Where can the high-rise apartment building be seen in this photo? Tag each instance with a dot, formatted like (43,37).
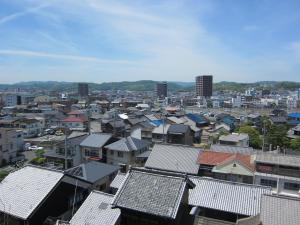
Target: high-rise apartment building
(204,85)
(162,90)
(83,89)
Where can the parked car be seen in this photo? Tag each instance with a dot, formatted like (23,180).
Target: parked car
(59,133)
(34,147)
(49,131)
(26,146)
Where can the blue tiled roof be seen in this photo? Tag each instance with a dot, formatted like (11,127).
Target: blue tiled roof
(196,118)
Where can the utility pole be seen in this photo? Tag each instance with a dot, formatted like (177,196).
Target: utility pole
(264,133)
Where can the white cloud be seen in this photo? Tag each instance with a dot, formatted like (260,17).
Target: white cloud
(16,15)
(25,53)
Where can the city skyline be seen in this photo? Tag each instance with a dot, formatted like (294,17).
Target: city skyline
(96,41)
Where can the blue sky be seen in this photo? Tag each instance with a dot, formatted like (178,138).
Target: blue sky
(100,41)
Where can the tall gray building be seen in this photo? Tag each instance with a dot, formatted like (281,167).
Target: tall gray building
(204,85)
(162,90)
(83,89)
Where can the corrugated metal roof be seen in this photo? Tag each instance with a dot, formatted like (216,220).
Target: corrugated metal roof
(23,190)
(162,129)
(128,144)
(177,158)
(279,210)
(278,159)
(96,210)
(118,180)
(151,193)
(234,137)
(232,149)
(96,140)
(227,196)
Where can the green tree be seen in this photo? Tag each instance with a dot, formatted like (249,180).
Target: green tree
(295,144)
(254,137)
(276,136)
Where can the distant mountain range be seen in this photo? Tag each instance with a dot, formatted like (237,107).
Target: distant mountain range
(147,85)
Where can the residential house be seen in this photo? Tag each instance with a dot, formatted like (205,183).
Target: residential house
(278,120)
(96,210)
(294,132)
(159,134)
(227,119)
(294,119)
(234,167)
(57,155)
(179,134)
(200,120)
(235,139)
(174,158)
(75,123)
(30,127)
(232,149)
(116,127)
(92,146)
(254,119)
(32,195)
(154,197)
(281,172)
(98,174)
(143,130)
(11,144)
(124,151)
(224,201)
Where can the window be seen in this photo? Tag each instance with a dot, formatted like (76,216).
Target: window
(291,186)
(120,154)
(132,153)
(112,152)
(270,183)
(0,147)
(92,153)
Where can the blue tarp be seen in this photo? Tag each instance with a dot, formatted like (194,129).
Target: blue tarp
(295,115)
(157,122)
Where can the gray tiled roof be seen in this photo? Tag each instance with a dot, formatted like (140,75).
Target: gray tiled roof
(279,210)
(96,210)
(232,149)
(278,159)
(92,171)
(177,158)
(151,193)
(128,144)
(238,198)
(22,191)
(96,140)
(178,129)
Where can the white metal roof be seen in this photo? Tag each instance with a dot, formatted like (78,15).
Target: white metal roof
(279,210)
(243,199)
(176,158)
(96,210)
(23,190)
(118,180)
